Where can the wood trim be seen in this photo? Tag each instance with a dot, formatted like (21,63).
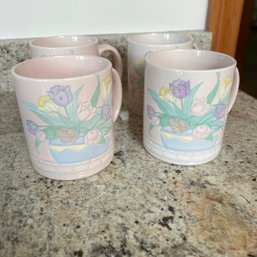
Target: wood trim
(223,20)
(244,33)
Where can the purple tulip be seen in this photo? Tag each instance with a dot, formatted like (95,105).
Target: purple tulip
(32,127)
(220,111)
(60,95)
(106,112)
(180,88)
(150,112)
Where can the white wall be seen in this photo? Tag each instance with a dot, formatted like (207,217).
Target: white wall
(36,18)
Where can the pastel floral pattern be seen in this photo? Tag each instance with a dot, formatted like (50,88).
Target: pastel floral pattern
(85,111)
(180,88)
(136,73)
(178,110)
(46,104)
(201,132)
(92,137)
(67,120)
(220,111)
(199,106)
(178,125)
(67,135)
(60,95)
(166,94)
(32,127)
(106,112)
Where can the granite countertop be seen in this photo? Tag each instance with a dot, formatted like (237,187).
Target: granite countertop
(138,206)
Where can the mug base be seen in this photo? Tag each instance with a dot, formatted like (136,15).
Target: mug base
(181,157)
(74,170)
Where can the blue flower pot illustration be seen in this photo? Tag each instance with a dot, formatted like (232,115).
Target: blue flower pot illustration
(77,151)
(184,141)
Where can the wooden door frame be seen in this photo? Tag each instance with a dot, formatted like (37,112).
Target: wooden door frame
(223,20)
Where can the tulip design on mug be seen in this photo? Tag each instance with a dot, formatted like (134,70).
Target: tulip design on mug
(136,74)
(185,121)
(74,130)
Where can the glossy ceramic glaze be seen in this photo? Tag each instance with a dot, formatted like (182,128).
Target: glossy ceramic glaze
(188,94)
(68,105)
(138,48)
(73,45)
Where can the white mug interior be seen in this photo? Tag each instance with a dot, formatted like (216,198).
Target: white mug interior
(190,59)
(61,67)
(160,39)
(63,41)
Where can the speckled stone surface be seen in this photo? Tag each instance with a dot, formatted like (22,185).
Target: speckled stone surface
(137,206)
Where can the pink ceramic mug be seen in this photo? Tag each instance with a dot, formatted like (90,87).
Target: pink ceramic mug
(138,47)
(68,105)
(188,94)
(73,45)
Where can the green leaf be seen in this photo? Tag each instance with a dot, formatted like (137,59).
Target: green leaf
(50,132)
(86,125)
(73,105)
(204,119)
(214,91)
(180,113)
(52,119)
(216,124)
(102,140)
(162,104)
(106,125)
(189,99)
(209,137)
(37,143)
(66,122)
(96,94)
(95,122)
(216,127)
(164,120)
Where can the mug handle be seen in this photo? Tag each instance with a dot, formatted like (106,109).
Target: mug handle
(116,94)
(116,55)
(234,90)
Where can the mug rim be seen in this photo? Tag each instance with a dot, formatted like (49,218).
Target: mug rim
(33,43)
(132,39)
(233,60)
(15,74)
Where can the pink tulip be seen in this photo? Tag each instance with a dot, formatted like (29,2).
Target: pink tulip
(199,107)
(85,111)
(92,137)
(201,132)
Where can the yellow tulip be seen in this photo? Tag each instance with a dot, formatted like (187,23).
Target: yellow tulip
(42,100)
(225,87)
(164,90)
(46,104)
(106,85)
(166,93)
(227,81)
(107,81)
